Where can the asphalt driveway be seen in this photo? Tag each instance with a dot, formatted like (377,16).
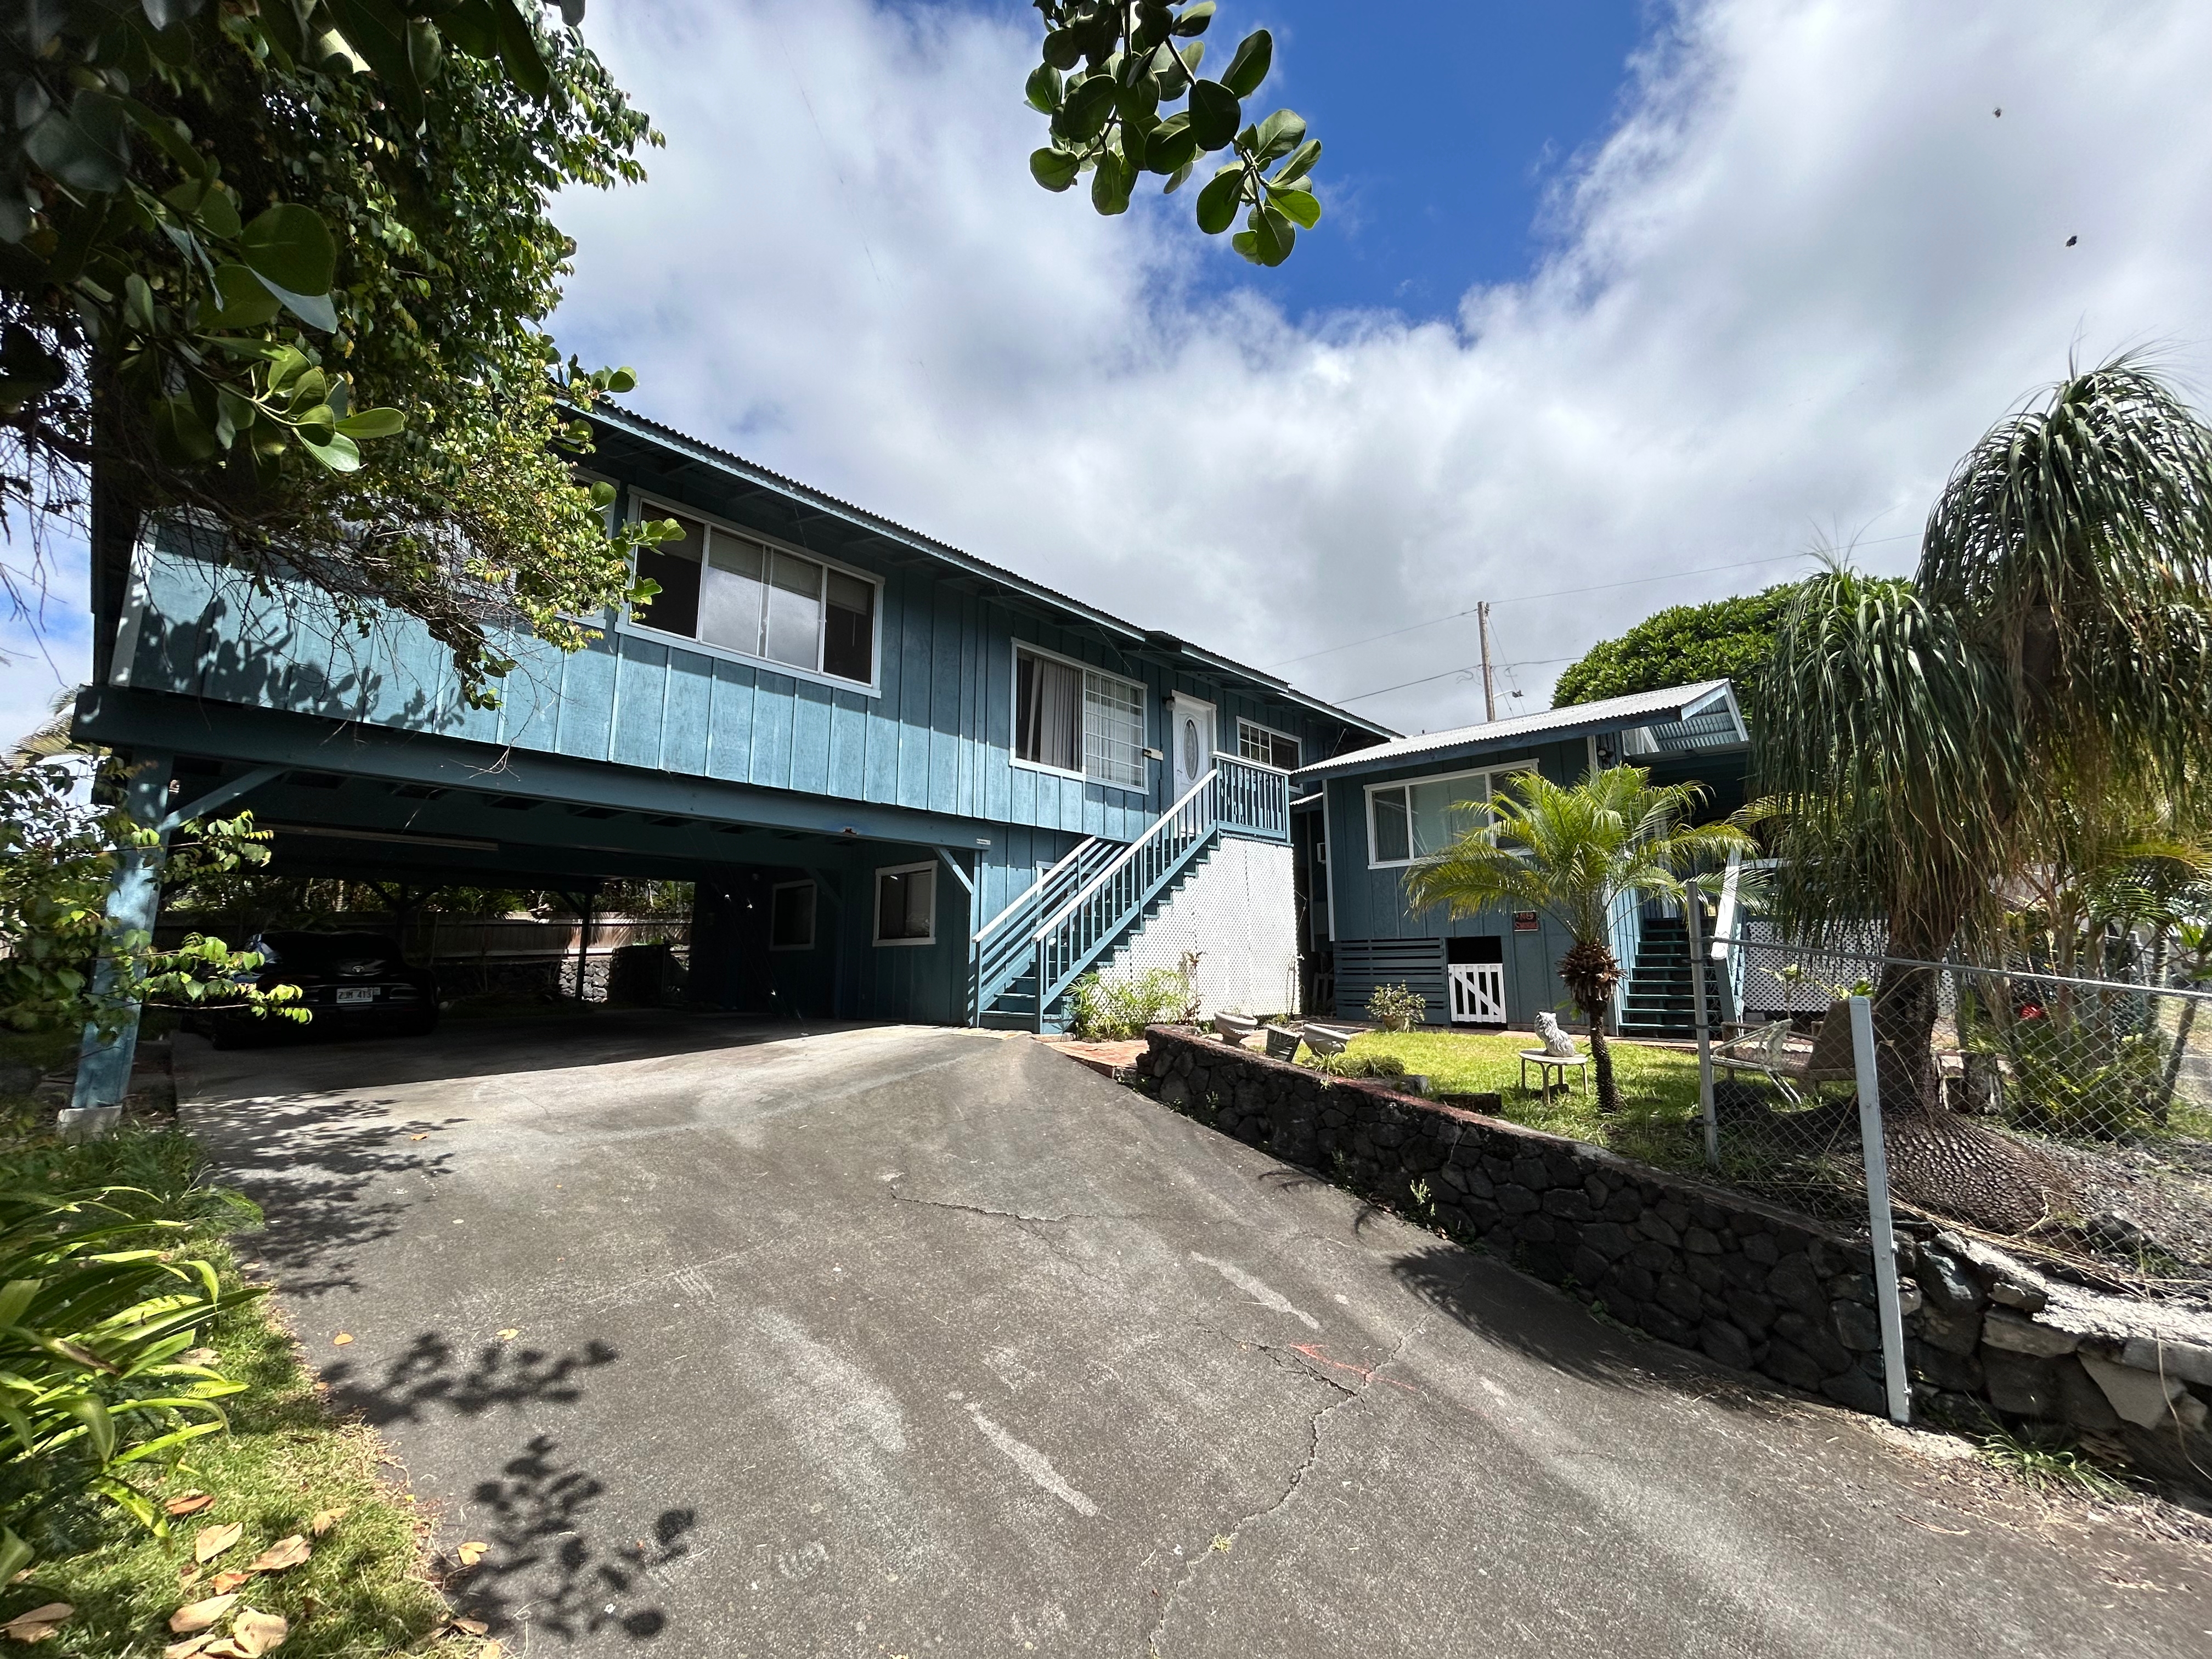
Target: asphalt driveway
(880,1340)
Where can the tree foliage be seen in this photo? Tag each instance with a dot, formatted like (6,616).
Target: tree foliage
(281,266)
(1571,853)
(1728,639)
(1110,69)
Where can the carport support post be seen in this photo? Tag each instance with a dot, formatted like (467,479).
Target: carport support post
(1883,1238)
(134,900)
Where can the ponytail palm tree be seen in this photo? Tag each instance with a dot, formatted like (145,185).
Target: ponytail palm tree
(2054,648)
(1571,854)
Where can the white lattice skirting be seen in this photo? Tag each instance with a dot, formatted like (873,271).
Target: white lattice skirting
(1238,911)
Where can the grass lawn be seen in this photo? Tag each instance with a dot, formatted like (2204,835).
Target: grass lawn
(1657,1123)
(286,1462)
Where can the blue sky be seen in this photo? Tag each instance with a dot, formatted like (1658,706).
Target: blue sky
(1624,307)
(1442,126)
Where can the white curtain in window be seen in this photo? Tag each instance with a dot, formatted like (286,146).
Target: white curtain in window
(1050,714)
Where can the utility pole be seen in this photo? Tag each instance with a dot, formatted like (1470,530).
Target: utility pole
(1489,691)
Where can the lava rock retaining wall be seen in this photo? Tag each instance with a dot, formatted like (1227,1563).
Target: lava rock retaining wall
(1754,1286)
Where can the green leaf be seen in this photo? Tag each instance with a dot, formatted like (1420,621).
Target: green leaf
(1055,169)
(289,247)
(1297,204)
(518,50)
(379,34)
(219,213)
(1063,49)
(340,454)
(1254,53)
(315,310)
(84,148)
(1176,179)
(1300,164)
(97,1424)
(1215,114)
(1269,239)
(1217,202)
(374,423)
(1110,184)
(1088,107)
(1193,20)
(14,1554)
(1279,135)
(1136,136)
(1172,146)
(1043,88)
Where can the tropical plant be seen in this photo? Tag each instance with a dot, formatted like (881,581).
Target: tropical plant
(98,1321)
(280,268)
(1110,1010)
(1728,639)
(1109,68)
(1573,853)
(2053,647)
(58,857)
(1396,1007)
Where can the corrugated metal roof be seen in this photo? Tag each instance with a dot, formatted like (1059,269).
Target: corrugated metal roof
(1709,707)
(610,413)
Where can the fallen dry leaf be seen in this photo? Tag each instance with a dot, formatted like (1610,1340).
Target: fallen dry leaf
(200,1615)
(222,1647)
(254,1631)
(509,1335)
(284,1553)
(223,1582)
(470,1626)
(489,1650)
(212,1542)
(187,1576)
(189,1503)
(425,1135)
(341,1338)
(39,1623)
(200,1356)
(187,1648)
(325,1520)
(470,1553)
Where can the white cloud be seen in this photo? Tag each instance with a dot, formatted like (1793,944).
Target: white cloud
(1804,272)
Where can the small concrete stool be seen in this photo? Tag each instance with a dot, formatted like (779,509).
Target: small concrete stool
(1548,1063)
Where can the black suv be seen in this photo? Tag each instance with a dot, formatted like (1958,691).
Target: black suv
(353,983)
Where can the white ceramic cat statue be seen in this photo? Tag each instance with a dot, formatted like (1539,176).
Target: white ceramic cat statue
(1556,1042)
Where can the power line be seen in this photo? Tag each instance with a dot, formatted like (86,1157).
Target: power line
(1472,668)
(1563,593)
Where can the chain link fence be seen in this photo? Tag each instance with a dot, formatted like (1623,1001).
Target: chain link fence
(2069,1113)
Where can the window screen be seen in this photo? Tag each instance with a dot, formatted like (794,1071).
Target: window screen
(722,587)
(905,905)
(791,917)
(675,566)
(733,601)
(794,612)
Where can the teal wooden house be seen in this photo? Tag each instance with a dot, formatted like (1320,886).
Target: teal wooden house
(907,784)
(1390,805)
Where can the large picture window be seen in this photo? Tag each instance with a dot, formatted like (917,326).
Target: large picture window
(1270,748)
(1422,816)
(762,602)
(906,904)
(1071,719)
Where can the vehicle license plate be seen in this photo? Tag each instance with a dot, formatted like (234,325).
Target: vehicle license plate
(356,993)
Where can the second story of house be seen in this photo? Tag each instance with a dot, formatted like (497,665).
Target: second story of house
(799,644)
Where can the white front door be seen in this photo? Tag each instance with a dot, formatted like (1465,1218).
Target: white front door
(1190,742)
(1477,992)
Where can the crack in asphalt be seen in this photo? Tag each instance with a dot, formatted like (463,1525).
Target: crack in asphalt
(1221,1543)
(1011,1215)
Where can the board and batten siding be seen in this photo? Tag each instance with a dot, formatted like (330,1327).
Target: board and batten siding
(935,734)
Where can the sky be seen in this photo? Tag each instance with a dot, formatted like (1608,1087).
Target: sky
(1612,306)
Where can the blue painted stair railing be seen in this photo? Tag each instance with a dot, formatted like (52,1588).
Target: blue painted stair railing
(1027,957)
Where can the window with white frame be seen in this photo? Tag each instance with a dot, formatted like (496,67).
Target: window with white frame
(1421,817)
(763,602)
(1270,748)
(906,904)
(1068,718)
(791,916)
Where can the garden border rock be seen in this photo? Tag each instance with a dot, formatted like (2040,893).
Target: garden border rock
(1750,1283)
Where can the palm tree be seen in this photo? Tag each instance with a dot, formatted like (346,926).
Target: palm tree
(2054,647)
(1571,854)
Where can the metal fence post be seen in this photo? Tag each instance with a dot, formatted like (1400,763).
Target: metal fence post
(1877,1185)
(1693,912)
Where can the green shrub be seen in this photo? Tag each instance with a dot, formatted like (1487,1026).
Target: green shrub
(1102,1010)
(1397,1007)
(1348,1064)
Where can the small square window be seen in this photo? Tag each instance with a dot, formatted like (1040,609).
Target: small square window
(1270,748)
(791,916)
(906,904)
